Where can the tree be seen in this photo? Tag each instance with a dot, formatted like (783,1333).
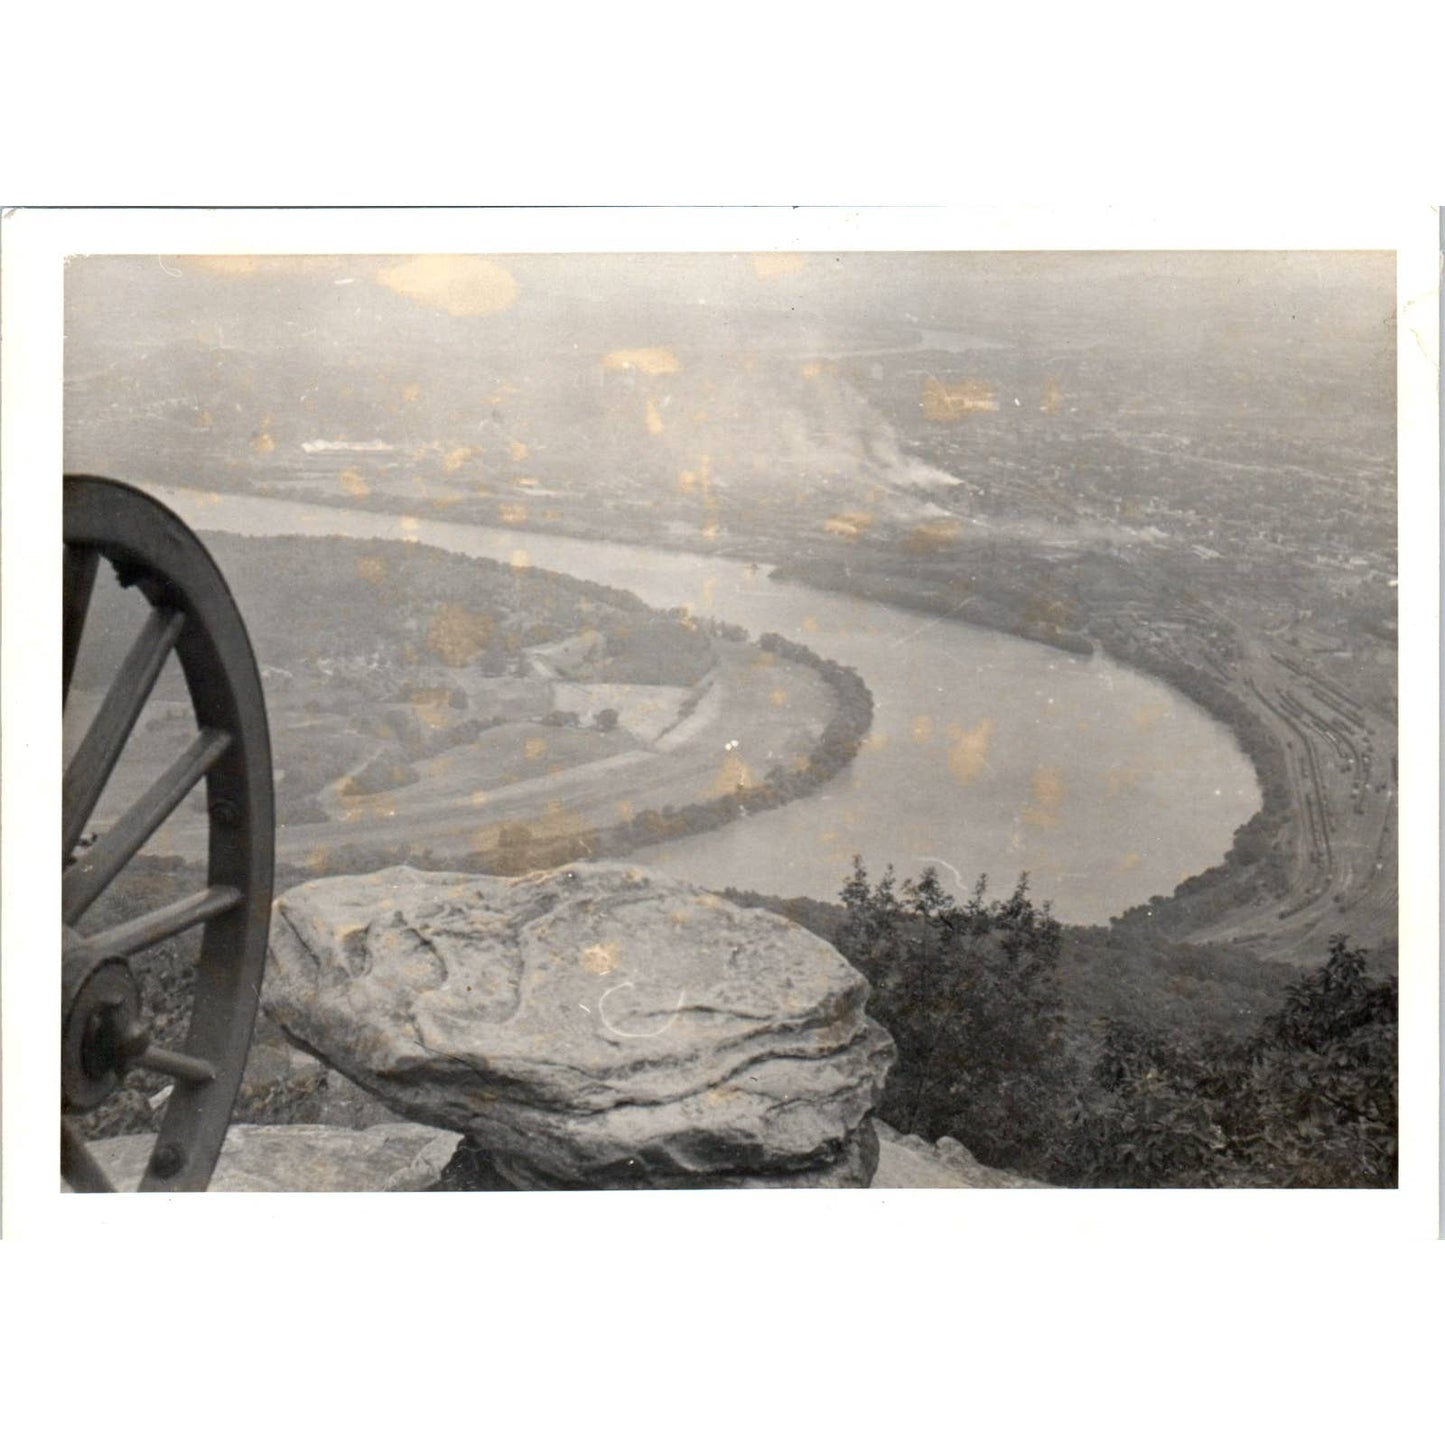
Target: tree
(970,993)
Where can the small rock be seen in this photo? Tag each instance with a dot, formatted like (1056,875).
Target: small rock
(907,1162)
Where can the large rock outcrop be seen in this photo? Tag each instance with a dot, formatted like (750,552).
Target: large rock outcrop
(599,1026)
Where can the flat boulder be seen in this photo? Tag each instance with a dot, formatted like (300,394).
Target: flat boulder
(302,1158)
(598,1026)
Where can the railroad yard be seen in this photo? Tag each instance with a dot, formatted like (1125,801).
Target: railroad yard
(1338,843)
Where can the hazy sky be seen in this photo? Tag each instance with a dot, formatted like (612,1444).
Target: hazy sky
(256,302)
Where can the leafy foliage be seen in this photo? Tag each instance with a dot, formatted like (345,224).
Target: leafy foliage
(1308,1100)
(974,995)
(970,993)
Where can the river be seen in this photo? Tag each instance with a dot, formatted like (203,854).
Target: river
(988,754)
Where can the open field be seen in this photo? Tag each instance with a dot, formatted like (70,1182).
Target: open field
(757,712)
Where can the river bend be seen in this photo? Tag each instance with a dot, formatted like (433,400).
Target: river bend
(988,754)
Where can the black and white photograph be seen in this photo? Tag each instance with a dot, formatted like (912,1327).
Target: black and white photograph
(567,720)
(741,707)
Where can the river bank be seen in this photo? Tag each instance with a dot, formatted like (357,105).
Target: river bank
(1318,855)
(1195,901)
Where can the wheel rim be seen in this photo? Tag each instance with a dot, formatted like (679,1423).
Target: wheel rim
(193,617)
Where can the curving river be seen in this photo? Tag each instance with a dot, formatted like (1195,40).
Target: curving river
(989,754)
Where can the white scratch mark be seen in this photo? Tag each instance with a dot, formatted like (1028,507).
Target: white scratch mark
(931,622)
(633,1033)
(944,863)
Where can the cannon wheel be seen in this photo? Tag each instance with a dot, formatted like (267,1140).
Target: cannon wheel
(191,614)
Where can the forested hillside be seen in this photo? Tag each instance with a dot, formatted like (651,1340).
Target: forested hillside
(1090,1057)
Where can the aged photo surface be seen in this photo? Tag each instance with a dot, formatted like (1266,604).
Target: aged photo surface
(894,719)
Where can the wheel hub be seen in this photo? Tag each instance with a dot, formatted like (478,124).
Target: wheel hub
(101,1032)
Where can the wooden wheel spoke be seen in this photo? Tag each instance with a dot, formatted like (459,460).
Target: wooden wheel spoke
(90,768)
(78,1166)
(93,871)
(80,569)
(162,923)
